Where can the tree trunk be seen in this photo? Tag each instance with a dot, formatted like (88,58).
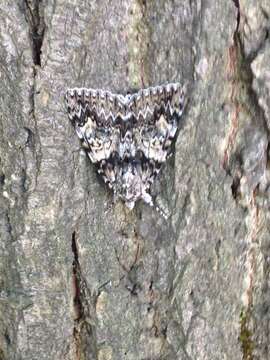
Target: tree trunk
(82,277)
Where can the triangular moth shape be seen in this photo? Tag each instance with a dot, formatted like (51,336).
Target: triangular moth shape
(127,137)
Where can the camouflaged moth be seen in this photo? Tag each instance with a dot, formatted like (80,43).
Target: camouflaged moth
(127,137)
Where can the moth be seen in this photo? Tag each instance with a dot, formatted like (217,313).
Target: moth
(128,137)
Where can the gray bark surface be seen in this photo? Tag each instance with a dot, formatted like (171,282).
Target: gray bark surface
(84,278)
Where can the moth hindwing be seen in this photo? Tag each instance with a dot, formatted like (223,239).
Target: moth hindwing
(127,137)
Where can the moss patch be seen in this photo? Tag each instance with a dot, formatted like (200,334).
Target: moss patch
(245,336)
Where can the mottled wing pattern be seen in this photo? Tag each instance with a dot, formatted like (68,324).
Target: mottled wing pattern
(127,137)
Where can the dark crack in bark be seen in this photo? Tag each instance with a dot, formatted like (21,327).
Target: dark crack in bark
(84,324)
(34,15)
(33,11)
(237,5)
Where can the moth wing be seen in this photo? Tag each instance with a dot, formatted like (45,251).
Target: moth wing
(92,122)
(159,111)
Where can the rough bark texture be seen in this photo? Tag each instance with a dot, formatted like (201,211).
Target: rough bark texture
(83,278)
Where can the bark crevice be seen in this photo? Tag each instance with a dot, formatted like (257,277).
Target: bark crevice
(84,329)
(34,15)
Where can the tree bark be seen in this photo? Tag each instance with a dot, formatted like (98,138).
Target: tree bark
(84,278)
